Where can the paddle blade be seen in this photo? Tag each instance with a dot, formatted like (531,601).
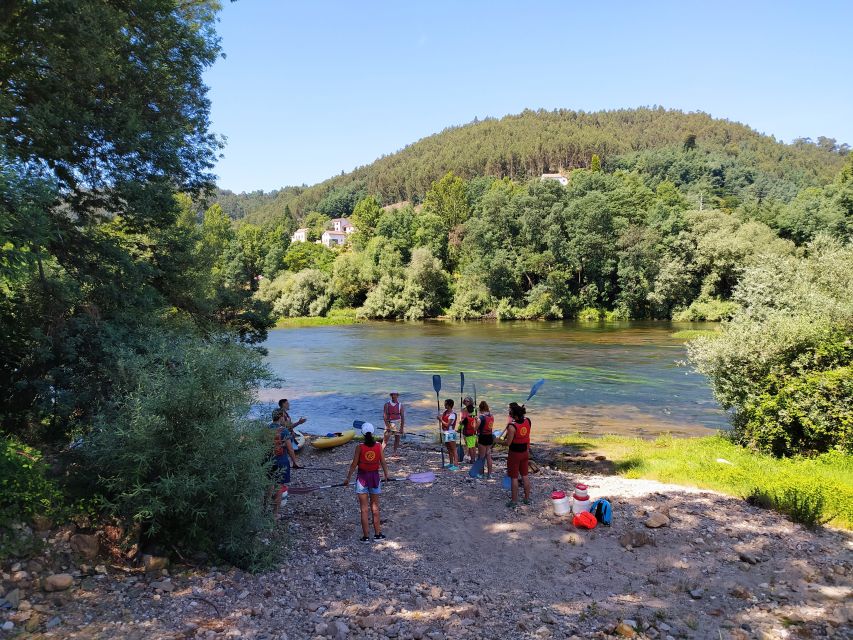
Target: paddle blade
(356,424)
(475,394)
(537,385)
(423,477)
(477,468)
(461,383)
(436,383)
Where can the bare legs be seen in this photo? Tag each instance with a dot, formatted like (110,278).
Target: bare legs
(367,504)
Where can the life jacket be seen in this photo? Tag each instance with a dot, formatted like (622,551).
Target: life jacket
(393,412)
(487,425)
(368,457)
(522,432)
(469,423)
(278,441)
(445,420)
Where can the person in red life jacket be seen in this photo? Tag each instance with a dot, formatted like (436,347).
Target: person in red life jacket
(485,435)
(395,420)
(368,458)
(517,438)
(469,428)
(448,433)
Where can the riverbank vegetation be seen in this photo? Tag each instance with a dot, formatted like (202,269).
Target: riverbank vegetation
(810,489)
(125,328)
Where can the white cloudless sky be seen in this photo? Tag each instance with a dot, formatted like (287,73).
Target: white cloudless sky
(310,89)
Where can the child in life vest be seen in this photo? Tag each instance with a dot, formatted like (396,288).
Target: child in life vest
(368,458)
(485,435)
(469,428)
(517,438)
(447,420)
(395,420)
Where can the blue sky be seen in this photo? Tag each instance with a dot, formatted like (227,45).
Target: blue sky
(309,89)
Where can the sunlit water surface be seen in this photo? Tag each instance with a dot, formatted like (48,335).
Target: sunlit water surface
(626,378)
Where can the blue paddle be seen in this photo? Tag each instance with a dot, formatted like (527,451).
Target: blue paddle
(436,384)
(479,465)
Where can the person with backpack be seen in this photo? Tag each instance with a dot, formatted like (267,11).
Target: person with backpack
(395,420)
(280,457)
(368,458)
(485,435)
(448,433)
(517,438)
(469,428)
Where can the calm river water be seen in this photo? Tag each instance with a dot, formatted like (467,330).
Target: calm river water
(600,378)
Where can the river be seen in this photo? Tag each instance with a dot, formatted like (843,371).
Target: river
(620,378)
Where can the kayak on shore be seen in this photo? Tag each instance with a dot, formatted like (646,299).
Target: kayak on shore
(328,442)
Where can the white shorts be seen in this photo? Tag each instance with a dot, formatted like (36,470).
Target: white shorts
(393,426)
(448,436)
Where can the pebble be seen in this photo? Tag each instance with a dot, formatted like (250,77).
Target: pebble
(8,626)
(58,582)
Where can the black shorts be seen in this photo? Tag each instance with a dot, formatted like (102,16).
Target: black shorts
(486,439)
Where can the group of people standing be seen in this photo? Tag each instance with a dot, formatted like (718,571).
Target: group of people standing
(473,429)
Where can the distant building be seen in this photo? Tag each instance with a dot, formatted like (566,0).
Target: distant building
(559,177)
(300,235)
(342,225)
(332,238)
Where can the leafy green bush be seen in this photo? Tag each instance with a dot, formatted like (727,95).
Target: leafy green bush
(25,490)
(803,507)
(589,314)
(304,294)
(783,361)
(175,453)
(813,412)
(707,309)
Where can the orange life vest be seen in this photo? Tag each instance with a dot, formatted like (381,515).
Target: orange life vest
(488,424)
(393,412)
(445,420)
(522,431)
(469,423)
(368,457)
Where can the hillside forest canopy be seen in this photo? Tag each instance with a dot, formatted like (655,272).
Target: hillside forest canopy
(135,297)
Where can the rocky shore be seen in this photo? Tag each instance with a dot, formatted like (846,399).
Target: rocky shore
(458,563)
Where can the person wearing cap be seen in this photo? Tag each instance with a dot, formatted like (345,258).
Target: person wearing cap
(395,420)
(368,458)
(468,426)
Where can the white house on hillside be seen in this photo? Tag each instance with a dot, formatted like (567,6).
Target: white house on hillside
(300,235)
(563,180)
(332,238)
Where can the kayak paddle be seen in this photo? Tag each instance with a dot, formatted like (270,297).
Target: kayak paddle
(436,384)
(418,478)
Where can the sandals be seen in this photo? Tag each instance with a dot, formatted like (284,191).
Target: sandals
(379,536)
(511,505)
(364,539)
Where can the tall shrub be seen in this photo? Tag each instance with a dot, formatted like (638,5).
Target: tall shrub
(175,452)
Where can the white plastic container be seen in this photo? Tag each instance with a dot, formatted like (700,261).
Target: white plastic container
(580,499)
(561,503)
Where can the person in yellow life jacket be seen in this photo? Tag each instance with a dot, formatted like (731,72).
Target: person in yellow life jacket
(468,426)
(395,420)
(368,458)
(448,433)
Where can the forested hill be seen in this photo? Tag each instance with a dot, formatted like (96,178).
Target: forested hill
(734,161)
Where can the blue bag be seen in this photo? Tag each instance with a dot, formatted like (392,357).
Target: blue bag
(602,511)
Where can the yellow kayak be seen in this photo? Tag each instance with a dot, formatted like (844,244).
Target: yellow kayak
(335,441)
